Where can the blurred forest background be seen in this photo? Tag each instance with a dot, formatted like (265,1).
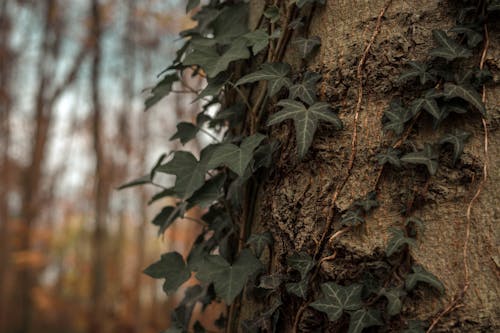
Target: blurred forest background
(74,75)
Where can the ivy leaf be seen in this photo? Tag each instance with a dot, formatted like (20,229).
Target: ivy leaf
(305,90)
(301,262)
(394,302)
(171,267)
(185,132)
(162,89)
(449,49)
(272,14)
(234,157)
(427,103)
(473,37)
(421,275)
(257,39)
(260,241)
(209,192)
(337,299)
(272,281)
(231,23)
(368,203)
(168,192)
(306,46)
(391,157)
(465,92)
(305,120)
(214,86)
(419,70)
(397,242)
(229,280)
(302,3)
(274,73)
(362,319)
(427,157)
(166,217)
(298,288)
(214,63)
(397,116)
(190,174)
(457,139)
(352,219)
(146,179)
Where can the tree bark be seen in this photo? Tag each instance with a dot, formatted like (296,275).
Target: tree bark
(300,197)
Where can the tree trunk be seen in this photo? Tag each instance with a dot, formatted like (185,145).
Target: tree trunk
(299,199)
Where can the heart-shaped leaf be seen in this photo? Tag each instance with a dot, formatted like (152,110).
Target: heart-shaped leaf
(298,288)
(397,116)
(185,132)
(394,301)
(465,92)
(172,268)
(306,46)
(397,241)
(362,319)
(228,279)
(337,299)
(449,49)
(457,138)
(305,120)
(419,70)
(302,262)
(421,275)
(306,89)
(274,73)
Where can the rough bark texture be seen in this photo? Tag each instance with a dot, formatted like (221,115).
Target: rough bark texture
(294,201)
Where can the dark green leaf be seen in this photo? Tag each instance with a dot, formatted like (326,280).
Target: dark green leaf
(162,89)
(368,203)
(192,4)
(185,132)
(427,157)
(257,40)
(260,242)
(419,70)
(305,90)
(428,104)
(234,157)
(305,120)
(397,116)
(166,217)
(298,288)
(271,282)
(457,138)
(172,268)
(189,172)
(337,299)
(272,14)
(274,73)
(211,191)
(449,49)
(229,280)
(473,37)
(146,179)
(214,86)
(301,262)
(421,275)
(231,23)
(415,221)
(306,46)
(394,302)
(467,93)
(362,319)
(352,219)
(397,241)
(391,157)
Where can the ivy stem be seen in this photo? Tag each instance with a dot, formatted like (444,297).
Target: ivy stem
(243,97)
(209,134)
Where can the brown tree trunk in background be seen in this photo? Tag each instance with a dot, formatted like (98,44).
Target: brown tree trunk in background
(294,204)
(97,311)
(6,62)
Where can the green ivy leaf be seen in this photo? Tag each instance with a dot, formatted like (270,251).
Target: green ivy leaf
(146,179)
(214,86)
(457,138)
(467,93)
(428,103)
(397,241)
(427,157)
(362,319)
(306,90)
(301,262)
(305,120)
(271,282)
(260,242)
(171,267)
(298,288)
(257,40)
(185,132)
(337,299)
(302,3)
(234,157)
(214,63)
(397,116)
(231,23)
(162,89)
(229,280)
(473,37)
(421,275)
(212,190)
(274,73)
(419,70)
(394,302)
(449,49)
(166,217)
(306,46)
(190,174)
(352,219)
(391,157)
(168,192)
(368,203)
(272,13)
